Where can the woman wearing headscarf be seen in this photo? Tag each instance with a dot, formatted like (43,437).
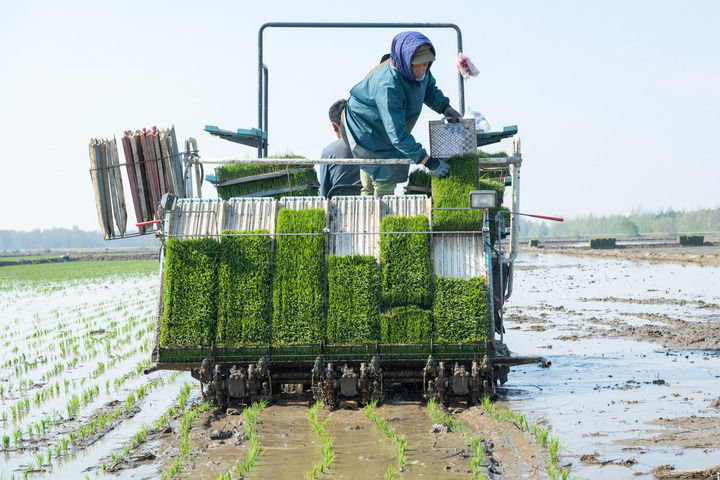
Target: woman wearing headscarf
(383,108)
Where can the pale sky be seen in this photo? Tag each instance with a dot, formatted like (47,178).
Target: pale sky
(617,103)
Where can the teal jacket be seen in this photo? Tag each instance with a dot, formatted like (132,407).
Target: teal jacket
(380,114)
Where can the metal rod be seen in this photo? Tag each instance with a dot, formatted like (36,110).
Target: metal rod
(321,161)
(307,161)
(431,233)
(264,138)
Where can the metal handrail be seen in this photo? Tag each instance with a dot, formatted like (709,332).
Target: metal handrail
(263,69)
(512,160)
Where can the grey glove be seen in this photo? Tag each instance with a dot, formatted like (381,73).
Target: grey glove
(437,167)
(451,115)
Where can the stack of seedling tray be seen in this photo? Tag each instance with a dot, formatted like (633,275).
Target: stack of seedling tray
(242,180)
(278,294)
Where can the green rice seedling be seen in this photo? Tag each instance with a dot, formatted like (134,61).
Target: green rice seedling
(6,441)
(454,190)
(602,243)
(476,442)
(541,434)
(399,440)
(406,277)
(245,286)
(190,299)
(326,448)
(130,402)
(353,299)
(691,239)
(297,176)
(182,398)
(553,448)
(299,279)
(406,325)
(460,310)
(418,182)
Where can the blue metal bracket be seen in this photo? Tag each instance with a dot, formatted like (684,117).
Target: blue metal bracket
(252,138)
(487,138)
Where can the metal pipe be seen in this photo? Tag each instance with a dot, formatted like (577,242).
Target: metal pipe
(308,161)
(263,121)
(488,270)
(264,141)
(514,237)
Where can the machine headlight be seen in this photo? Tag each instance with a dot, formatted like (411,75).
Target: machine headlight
(482,199)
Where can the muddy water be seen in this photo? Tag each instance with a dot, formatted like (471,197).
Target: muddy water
(362,451)
(290,445)
(628,404)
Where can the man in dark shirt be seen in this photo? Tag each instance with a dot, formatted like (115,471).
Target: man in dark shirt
(332,175)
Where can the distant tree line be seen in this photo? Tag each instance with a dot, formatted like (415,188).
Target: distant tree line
(11,240)
(637,223)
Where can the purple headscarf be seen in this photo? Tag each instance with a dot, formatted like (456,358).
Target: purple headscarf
(403,47)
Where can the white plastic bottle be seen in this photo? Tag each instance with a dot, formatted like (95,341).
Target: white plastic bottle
(481,122)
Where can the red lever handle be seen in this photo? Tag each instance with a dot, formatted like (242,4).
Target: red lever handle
(555,219)
(142,224)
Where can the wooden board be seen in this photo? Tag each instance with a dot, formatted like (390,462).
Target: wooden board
(117,192)
(97,186)
(141,176)
(148,151)
(132,179)
(103,174)
(167,153)
(160,161)
(177,163)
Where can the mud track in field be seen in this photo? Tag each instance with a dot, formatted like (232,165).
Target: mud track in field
(290,447)
(704,255)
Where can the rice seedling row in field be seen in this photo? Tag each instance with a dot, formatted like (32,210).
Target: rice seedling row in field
(56,276)
(136,326)
(53,391)
(69,346)
(244,466)
(477,445)
(98,426)
(399,440)
(185,423)
(326,447)
(540,433)
(140,436)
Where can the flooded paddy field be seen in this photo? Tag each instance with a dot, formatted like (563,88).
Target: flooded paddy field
(635,376)
(634,385)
